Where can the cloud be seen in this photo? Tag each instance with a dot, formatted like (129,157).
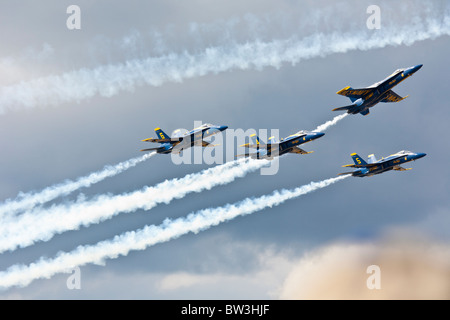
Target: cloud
(261,280)
(183,279)
(410,268)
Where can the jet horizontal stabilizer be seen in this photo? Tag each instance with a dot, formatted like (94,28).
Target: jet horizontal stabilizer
(150,149)
(352,108)
(343,108)
(254,146)
(246,155)
(344,173)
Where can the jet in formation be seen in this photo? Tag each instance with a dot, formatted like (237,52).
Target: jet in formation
(374,166)
(180,141)
(275,148)
(365,98)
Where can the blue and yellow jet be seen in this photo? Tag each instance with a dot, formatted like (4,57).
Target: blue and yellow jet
(277,148)
(374,166)
(181,141)
(365,98)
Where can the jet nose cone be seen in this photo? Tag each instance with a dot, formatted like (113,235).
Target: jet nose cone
(317,135)
(222,128)
(412,70)
(416,68)
(420,155)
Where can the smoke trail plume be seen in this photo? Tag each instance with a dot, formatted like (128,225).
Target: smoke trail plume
(21,275)
(42,225)
(26,201)
(109,80)
(330,123)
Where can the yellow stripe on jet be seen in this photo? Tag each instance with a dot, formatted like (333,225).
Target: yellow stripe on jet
(342,90)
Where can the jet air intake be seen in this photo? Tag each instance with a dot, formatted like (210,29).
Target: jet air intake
(358,102)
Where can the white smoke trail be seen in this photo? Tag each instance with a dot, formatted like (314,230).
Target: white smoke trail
(42,225)
(109,80)
(26,201)
(330,123)
(21,275)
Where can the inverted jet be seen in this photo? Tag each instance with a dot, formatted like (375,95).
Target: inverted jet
(365,98)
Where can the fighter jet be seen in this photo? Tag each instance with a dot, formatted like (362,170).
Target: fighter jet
(374,166)
(181,141)
(277,148)
(365,98)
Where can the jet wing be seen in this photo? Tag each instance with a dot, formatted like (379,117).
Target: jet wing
(354,93)
(171,140)
(398,168)
(391,96)
(254,146)
(299,150)
(367,165)
(268,146)
(247,154)
(207,144)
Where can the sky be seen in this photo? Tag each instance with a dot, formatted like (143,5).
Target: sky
(73,101)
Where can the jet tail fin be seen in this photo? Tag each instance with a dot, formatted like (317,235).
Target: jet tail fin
(358,160)
(256,142)
(161,134)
